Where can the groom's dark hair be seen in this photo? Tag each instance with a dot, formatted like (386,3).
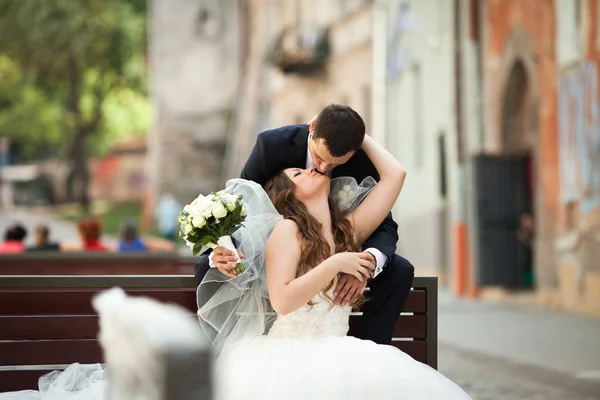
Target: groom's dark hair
(342,129)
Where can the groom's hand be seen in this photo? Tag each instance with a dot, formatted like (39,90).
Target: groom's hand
(349,287)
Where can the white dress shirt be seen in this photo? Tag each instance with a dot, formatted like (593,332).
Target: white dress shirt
(380,258)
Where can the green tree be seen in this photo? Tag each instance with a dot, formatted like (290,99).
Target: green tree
(28,117)
(75,55)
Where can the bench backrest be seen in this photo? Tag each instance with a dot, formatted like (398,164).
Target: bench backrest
(47,322)
(81,263)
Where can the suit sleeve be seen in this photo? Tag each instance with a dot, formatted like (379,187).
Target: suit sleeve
(255,168)
(384,238)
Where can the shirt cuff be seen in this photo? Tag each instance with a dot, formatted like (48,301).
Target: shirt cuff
(380,260)
(210,260)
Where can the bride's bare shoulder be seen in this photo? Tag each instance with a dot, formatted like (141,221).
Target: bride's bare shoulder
(285,233)
(285,239)
(285,227)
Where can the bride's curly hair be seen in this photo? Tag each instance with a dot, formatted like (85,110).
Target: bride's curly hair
(315,248)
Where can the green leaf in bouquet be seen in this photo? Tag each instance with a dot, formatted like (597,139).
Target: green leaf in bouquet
(196,249)
(207,240)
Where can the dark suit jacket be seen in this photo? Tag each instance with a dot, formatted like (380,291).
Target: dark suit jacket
(287,147)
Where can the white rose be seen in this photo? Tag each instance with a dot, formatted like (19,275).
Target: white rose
(341,194)
(346,188)
(219,210)
(198,221)
(229,198)
(187,229)
(203,207)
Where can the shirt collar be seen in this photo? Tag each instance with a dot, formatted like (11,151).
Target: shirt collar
(309,160)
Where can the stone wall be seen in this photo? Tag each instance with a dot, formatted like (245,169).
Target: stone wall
(346,78)
(196,51)
(533,33)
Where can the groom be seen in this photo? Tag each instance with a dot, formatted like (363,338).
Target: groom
(331,143)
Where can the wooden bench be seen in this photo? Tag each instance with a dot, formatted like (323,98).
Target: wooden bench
(155,263)
(47,322)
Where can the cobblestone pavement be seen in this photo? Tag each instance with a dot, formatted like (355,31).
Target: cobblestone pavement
(491,378)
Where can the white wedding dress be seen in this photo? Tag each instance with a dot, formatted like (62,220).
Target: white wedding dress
(307,355)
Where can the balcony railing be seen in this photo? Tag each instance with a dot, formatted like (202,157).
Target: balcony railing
(300,52)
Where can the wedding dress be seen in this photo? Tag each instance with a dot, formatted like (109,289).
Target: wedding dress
(307,355)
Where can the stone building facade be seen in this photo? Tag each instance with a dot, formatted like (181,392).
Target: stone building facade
(218,79)
(539,92)
(196,50)
(414,117)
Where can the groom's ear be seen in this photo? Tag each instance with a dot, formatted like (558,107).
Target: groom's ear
(311,126)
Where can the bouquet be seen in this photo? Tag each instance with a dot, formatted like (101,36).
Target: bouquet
(209,221)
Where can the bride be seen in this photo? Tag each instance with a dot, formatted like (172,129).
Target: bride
(306,353)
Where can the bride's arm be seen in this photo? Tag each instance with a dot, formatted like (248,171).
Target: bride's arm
(282,254)
(376,206)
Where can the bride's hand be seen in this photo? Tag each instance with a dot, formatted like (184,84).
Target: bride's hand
(356,264)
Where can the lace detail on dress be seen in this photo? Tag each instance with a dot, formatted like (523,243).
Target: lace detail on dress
(319,320)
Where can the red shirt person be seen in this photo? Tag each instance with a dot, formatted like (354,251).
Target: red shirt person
(13,239)
(90,231)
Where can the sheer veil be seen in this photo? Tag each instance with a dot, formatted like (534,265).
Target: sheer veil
(231,310)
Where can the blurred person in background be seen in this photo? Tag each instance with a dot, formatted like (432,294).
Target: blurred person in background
(90,232)
(42,243)
(13,239)
(129,239)
(526,236)
(166,213)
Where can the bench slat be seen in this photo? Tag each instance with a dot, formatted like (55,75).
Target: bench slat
(160,263)
(50,352)
(417,349)
(79,301)
(407,326)
(416,301)
(49,328)
(86,327)
(21,379)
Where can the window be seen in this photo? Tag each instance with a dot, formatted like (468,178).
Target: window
(417,111)
(443,164)
(366,106)
(598,24)
(208,21)
(569,38)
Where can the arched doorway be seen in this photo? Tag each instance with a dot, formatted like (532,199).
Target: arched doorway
(514,108)
(505,190)
(516,142)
